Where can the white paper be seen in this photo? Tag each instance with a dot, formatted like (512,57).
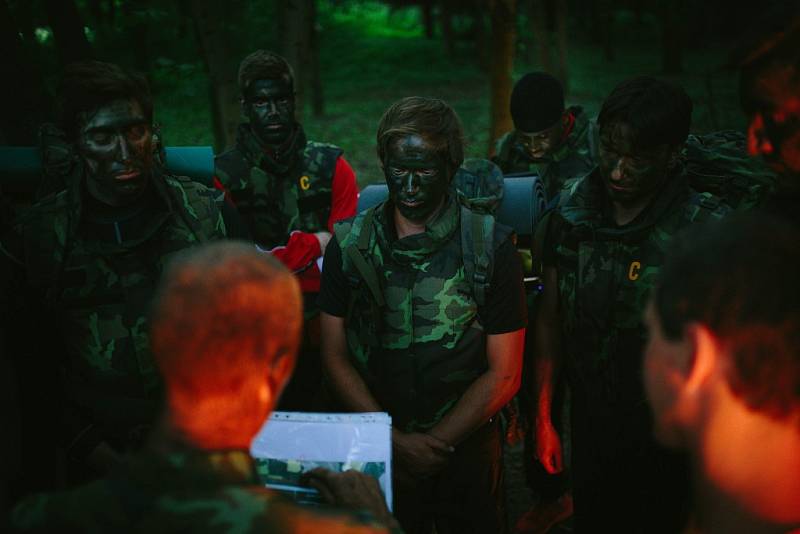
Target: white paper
(291,443)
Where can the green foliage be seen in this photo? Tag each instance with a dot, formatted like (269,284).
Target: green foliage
(372,56)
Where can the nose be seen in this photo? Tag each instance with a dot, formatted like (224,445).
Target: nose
(272,107)
(618,172)
(124,147)
(757,140)
(412,183)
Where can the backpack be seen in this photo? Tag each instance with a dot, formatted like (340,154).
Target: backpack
(478,185)
(718,163)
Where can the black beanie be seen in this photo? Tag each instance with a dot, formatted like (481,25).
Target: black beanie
(537,102)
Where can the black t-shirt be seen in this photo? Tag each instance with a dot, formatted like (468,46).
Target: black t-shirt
(505,309)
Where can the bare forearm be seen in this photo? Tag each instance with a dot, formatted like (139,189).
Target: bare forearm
(547,357)
(352,389)
(490,392)
(347,383)
(480,402)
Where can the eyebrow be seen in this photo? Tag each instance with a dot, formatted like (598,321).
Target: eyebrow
(118,125)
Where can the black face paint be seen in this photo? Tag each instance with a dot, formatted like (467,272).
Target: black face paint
(269,106)
(417,177)
(540,145)
(115,142)
(630,173)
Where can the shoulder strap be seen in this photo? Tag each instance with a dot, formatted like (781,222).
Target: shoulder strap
(364,269)
(477,249)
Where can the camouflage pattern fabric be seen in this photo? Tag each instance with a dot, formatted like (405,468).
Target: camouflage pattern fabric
(96,279)
(421,347)
(184,491)
(719,164)
(575,158)
(273,204)
(606,274)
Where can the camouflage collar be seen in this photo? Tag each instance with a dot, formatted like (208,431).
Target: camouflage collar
(578,129)
(415,248)
(195,468)
(278,162)
(589,205)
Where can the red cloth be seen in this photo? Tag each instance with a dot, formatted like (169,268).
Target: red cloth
(302,250)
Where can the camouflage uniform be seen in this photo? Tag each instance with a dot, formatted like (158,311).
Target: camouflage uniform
(275,198)
(605,276)
(186,490)
(94,275)
(420,345)
(573,159)
(423,347)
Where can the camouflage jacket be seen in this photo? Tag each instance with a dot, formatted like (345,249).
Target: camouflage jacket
(95,280)
(185,491)
(273,202)
(605,276)
(575,158)
(421,346)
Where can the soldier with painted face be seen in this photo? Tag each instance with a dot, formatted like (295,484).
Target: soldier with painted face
(769,85)
(289,190)
(90,257)
(604,247)
(405,331)
(555,143)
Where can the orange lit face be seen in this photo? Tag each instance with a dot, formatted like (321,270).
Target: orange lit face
(663,378)
(772,102)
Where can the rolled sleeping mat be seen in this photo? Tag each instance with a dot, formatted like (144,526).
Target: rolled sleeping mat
(21,167)
(521,208)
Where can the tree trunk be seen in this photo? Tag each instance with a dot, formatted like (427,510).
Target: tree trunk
(479,34)
(446,17)
(317,95)
(672,37)
(135,10)
(427,18)
(295,37)
(68,33)
(503,13)
(213,24)
(606,16)
(541,37)
(561,26)
(23,103)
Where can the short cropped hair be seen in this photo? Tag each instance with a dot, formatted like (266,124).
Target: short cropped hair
(658,112)
(88,85)
(739,278)
(264,65)
(222,314)
(430,118)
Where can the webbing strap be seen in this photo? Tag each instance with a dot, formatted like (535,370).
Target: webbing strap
(367,272)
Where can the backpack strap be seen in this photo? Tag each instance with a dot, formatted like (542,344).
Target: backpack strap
(477,249)
(355,253)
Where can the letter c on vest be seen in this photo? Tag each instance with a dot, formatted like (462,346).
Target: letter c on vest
(633,270)
(305,183)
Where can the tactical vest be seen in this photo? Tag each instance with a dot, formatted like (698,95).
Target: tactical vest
(575,158)
(605,277)
(273,206)
(412,329)
(99,291)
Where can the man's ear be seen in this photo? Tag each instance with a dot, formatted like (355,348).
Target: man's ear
(280,370)
(704,353)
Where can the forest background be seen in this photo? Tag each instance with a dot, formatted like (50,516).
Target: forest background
(353,58)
